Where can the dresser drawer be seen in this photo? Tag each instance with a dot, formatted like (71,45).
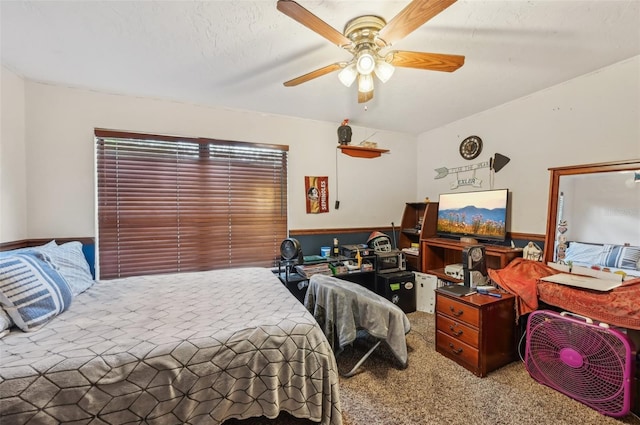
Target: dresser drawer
(458,330)
(458,310)
(458,351)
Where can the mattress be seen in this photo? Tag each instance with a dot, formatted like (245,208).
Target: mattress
(195,348)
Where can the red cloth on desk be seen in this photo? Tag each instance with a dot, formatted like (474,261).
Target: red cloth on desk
(520,278)
(618,307)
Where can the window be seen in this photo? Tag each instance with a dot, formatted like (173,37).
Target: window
(168,204)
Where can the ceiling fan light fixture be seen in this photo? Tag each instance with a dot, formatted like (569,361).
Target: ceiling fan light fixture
(365,62)
(383,70)
(365,83)
(366,36)
(348,74)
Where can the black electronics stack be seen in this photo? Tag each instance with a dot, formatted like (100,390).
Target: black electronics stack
(399,288)
(393,280)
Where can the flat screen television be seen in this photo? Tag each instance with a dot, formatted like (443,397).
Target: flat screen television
(481,215)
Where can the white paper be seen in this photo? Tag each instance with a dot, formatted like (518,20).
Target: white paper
(582,281)
(587,271)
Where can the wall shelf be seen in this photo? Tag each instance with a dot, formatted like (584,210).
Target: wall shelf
(361,151)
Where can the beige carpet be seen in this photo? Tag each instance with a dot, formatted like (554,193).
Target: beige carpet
(435,390)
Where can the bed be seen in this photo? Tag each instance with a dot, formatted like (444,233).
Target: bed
(592,221)
(618,307)
(196,348)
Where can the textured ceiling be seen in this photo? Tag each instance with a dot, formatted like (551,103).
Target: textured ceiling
(237,54)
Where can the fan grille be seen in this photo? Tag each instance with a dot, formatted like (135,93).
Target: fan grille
(590,364)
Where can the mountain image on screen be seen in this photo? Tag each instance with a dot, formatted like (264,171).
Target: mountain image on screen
(473,219)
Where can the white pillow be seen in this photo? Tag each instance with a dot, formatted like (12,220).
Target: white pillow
(578,252)
(69,260)
(5,322)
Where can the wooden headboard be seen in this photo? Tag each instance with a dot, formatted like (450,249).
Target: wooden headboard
(88,247)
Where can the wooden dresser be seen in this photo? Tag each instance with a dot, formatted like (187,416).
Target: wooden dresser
(476,331)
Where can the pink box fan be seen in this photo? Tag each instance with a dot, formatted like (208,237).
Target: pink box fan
(591,363)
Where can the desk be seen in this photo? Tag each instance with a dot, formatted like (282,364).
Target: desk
(297,283)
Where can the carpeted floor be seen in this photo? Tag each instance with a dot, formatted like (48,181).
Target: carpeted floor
(435,390)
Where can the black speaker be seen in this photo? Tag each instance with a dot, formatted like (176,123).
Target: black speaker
(498,162)
(474,265)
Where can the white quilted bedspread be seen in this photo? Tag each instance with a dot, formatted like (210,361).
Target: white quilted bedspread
(194,348)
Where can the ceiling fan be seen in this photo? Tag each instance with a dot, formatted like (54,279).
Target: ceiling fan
(368,38)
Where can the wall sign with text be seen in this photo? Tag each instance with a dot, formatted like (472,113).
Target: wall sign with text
(317,194)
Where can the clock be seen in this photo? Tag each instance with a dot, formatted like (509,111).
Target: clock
(471,147)
(476,254)
(474,265)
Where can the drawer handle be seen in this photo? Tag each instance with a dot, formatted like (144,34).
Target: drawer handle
(454,332)
(454,312)
(455,350)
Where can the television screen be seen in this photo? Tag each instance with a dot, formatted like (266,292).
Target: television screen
(480,215)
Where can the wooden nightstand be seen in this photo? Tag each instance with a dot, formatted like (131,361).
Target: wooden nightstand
(476,331)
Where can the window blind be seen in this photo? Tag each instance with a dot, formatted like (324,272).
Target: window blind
(168,204)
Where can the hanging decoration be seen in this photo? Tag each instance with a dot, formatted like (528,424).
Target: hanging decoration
(317,194)
(344,133)
(495,164)
(471,180)
(561,239)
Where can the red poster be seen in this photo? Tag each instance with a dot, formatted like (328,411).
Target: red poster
(317,194)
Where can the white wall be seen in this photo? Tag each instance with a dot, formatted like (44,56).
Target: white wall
(60,158)
(593,118)
(13,186)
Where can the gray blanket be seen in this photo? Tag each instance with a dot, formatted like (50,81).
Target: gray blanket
(342,308)
(194,348)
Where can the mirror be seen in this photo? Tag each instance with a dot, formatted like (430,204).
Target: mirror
(594,203)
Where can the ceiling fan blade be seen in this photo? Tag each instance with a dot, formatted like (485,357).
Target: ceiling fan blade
(411,17)
(365,96)
(313,74)
(429,61)
(311,21)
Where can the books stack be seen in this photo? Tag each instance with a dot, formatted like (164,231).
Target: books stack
(309,270)
(411,251)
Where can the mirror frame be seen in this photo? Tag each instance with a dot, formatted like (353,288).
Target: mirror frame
(556,173)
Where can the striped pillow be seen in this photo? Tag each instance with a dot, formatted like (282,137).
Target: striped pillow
(69,260)
(620,256)
(32,292)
